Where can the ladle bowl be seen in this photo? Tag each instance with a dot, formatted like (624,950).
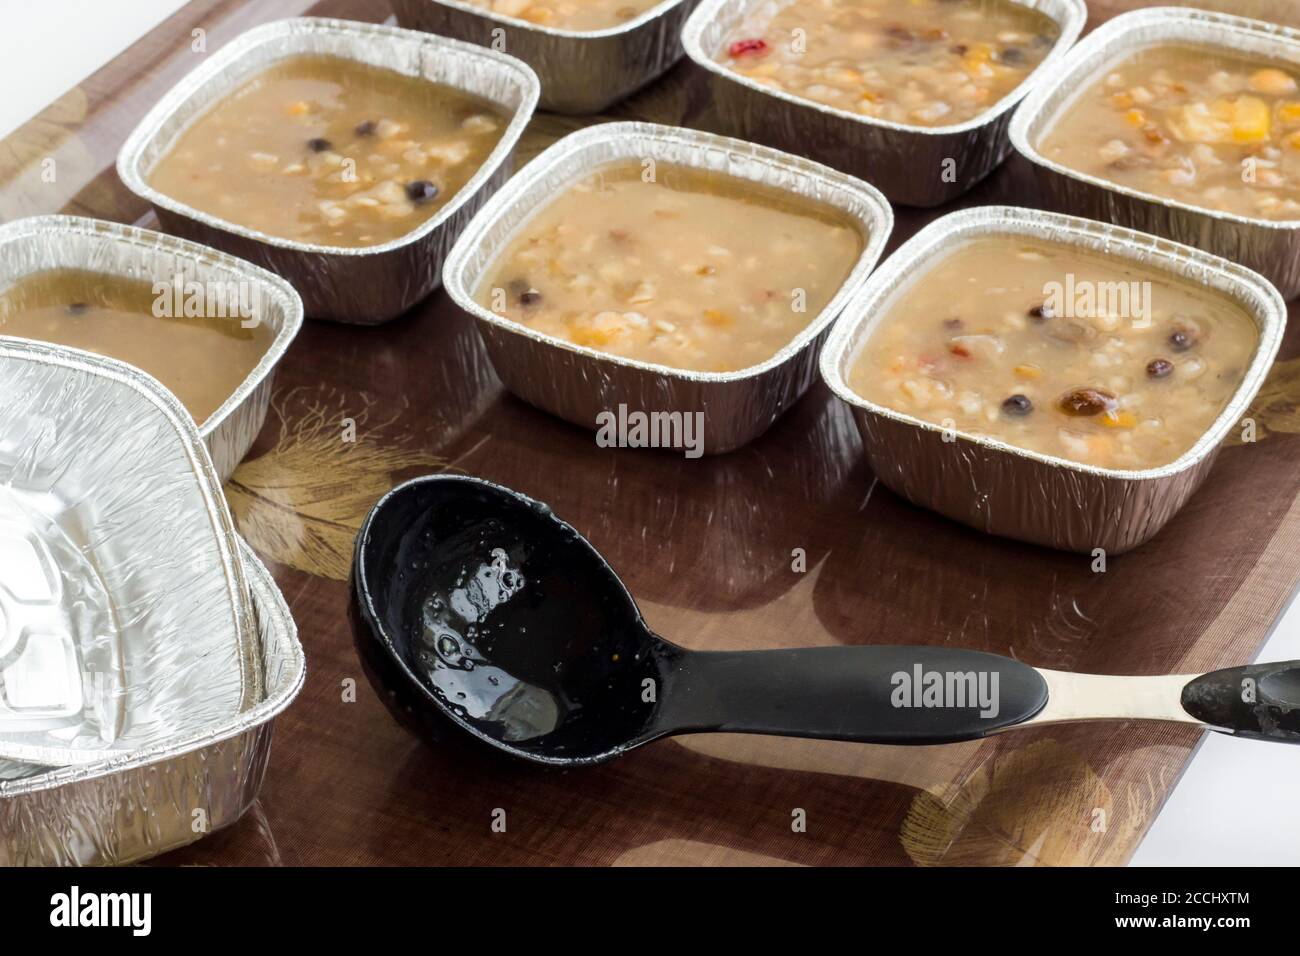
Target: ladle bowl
(476,610)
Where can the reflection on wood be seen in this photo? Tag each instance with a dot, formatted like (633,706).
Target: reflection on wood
(302,502)
(1277,406)
(689,853)
(1037,805)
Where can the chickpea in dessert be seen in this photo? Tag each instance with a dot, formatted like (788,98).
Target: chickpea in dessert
(328,151)
(683,268)
(577,15)
(1190,123)
(1058,351)
(921,63)
(201,359)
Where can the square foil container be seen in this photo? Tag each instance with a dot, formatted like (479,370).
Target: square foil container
(369,284)
(999,488)
(575,382)
(582,71)
(124,611)
(41,243)
(906,162)
(1271,247)
(126,810)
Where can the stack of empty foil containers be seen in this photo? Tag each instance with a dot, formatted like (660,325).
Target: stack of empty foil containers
(144,650)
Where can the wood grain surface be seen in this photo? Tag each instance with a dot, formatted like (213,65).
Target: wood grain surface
(706,546)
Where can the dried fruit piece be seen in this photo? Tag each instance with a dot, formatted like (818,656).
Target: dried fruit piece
(421,191)
(1272,81)
(1017,405)
(754,47)
(1085,401)
(1159,368)
(1119,419)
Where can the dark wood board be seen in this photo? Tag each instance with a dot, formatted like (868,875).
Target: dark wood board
(706,545)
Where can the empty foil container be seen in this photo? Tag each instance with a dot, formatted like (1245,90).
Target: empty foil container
(578,383)
(124,611)
(580,71)
(171,794)
(34,245)
(913,165)
(369,284)
(1270,247)
(999,488)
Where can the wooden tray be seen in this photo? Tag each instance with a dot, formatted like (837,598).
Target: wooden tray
(709,547)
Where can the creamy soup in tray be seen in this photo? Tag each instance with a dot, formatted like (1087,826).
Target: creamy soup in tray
(201,360)
(1191,123)
(693,270)
(923,63)
(1058,351)
(577,15)
(328,151)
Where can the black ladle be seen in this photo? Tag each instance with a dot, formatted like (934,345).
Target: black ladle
(475,607)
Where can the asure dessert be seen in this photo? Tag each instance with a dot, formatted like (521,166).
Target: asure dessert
(328,151)
(1191,123)
(687,269)
(578,15)
(201,360)
(1058,351)
(923,63)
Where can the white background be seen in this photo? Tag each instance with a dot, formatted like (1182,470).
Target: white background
(1237,802)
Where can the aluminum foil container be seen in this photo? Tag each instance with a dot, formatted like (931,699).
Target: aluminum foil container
(907,163)
(42,243)
(577,383)
(125,810)
(366,285)
(1270,247)
(581,71)
(999,488)
(124,610)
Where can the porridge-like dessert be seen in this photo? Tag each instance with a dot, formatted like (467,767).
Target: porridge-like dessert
(201,360)
(577,15)
(689,269)
(1196,124)
(923,62)
(328,151)
(1058,351)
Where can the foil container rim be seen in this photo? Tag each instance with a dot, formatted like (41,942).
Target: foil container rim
(651,13)
(270,601)
(1074,15)
(1219,27)
(1269,315)
(130,156)
(877,225)
(282,293)
(209,488)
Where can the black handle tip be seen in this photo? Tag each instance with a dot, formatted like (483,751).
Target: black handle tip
(1261,701)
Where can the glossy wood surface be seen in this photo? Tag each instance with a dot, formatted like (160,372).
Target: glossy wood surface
(708,547)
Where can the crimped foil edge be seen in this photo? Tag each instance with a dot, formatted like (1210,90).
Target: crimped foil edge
(281,687)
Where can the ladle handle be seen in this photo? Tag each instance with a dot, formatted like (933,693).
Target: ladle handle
(889,695)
